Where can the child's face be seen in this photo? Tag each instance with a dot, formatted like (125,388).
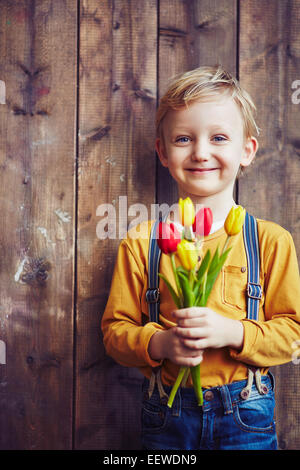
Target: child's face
(204,147)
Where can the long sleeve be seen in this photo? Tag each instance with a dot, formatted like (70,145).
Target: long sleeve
(125,337)
(270,342)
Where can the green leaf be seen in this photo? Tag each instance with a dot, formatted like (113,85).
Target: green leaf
(181,269)
(218,265)
(224,256)
(201,299)
(202,275)
(213,274)
(204,265)
(175,297)
(173,262)
(196,289)
(209,285)
(214,261)
(188,295)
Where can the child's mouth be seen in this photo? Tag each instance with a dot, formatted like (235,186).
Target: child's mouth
(201,170)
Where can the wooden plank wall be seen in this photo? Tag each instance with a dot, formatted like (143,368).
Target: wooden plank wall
(38,50)
(269,63)
(82,80)
(117,101)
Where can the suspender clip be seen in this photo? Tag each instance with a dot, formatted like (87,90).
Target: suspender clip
(254,291)
(152,295)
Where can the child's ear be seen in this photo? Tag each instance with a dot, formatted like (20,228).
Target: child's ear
(161,152)
(250,149)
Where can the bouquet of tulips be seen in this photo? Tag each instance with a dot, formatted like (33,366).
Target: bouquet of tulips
(195,277)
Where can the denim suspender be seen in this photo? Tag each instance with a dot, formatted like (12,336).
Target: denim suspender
(152,293)
(254,290)
(251,243)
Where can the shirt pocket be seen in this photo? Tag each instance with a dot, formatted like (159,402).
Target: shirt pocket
(234,287)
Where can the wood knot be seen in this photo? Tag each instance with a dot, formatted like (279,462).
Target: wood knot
(96,134)
(116,87)
(29,359)
(203,25)
(35,271)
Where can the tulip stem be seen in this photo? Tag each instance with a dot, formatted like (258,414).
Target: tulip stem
(196,377)
(176,278)
(191,278)
(203,291)
(226,243)
(185,377)
(180,377)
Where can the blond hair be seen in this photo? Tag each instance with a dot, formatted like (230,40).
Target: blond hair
(204,82)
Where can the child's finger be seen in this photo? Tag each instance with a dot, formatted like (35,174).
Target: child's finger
(190,361)
(196,345)
(191,322)
(191,332)
(191,312)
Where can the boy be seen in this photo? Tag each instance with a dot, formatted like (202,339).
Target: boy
(206,133)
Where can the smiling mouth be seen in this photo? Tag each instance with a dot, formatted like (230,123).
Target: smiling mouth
(201,170)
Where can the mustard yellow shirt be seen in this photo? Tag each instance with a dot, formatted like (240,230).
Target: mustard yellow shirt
(267,342)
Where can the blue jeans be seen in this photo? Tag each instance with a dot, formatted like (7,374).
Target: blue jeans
(226,421)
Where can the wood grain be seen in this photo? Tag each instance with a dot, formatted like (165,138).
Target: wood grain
(37,151)
(269,63)
(116,158)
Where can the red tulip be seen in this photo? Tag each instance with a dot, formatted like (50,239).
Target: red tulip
(203,221)
(168,237)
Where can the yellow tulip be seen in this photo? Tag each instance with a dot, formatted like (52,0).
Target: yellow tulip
(188,254)
(234,221)
(186,211)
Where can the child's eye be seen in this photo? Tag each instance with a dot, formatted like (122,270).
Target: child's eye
(219,138)
(182,139)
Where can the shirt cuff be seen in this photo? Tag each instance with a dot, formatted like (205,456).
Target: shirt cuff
(250,334)
(148,331)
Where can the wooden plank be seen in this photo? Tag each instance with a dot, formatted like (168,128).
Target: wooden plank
(38,66)
(192,34)
(116,158)
(269,64)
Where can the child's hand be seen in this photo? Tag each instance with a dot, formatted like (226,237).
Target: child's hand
(167,344)
(200,328)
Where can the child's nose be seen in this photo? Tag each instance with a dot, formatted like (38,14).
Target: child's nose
(201,150)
